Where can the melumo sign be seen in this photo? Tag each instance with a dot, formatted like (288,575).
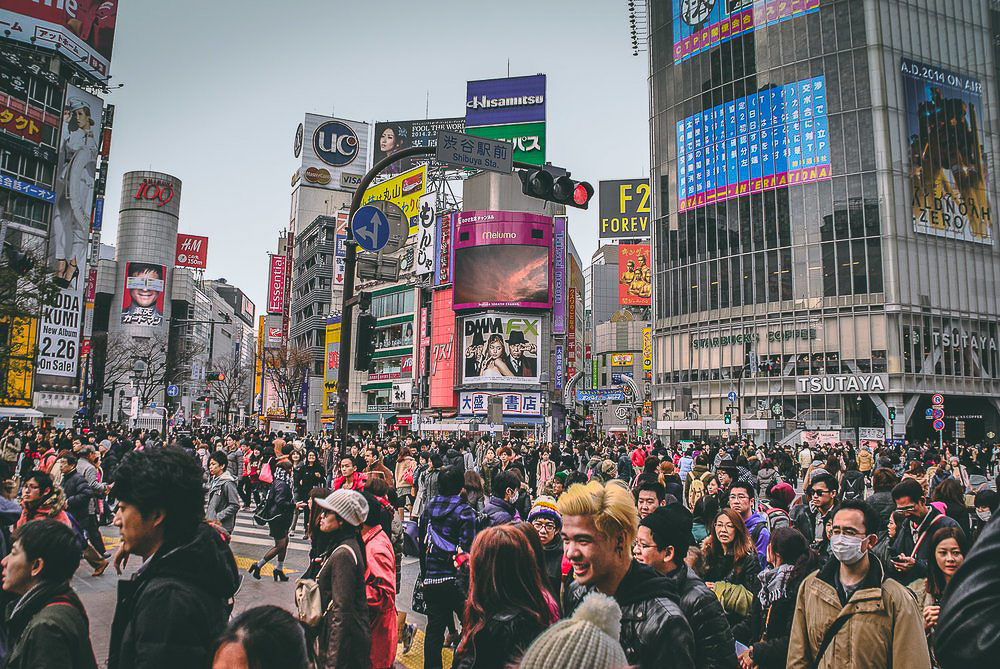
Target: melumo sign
(624,208)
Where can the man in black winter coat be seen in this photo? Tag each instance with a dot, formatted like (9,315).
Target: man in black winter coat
(663,541)
(599,525)
(172,610)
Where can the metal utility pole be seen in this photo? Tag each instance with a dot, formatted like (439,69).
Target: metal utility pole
(350,265)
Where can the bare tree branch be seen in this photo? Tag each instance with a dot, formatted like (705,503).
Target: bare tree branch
(286,368)
(235,386)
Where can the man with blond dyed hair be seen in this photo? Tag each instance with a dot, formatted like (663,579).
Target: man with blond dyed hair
(600,522)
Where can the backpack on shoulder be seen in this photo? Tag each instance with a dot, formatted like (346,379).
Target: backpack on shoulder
(308,600)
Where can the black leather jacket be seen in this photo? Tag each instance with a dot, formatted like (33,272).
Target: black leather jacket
(713,639)
(501,641)
(968,629)
(655,634)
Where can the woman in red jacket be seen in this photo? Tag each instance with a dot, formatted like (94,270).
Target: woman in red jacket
(380,586)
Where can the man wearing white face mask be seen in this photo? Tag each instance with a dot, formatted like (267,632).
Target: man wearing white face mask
(848,614)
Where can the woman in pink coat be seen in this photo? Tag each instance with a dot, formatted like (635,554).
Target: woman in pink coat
(380,586)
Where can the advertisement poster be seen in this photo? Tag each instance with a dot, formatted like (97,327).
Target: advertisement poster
(825,438)
(276,284)
(331,367)
(647,349)
(624,208)
(142,300)
(82,30)
(622,359)
(771,139)
(476,403)
(635,278)
(443,256)
(443,351)
(560,375)
(393,136)
(948,167)
(192,251)
(528,139)
(505,101)
(502,259)
(59,330)
(559,275)
(700,25)
(332,148)
(500,347)
(404,191)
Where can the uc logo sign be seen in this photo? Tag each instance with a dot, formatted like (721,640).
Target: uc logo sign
(335,143)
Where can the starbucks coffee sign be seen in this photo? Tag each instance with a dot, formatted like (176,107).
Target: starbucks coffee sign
(753,336)
(842,383)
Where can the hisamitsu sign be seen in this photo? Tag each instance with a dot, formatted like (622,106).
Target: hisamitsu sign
(460,150)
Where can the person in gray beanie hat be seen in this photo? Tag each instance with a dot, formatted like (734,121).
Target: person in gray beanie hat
(587,640)
(344,634)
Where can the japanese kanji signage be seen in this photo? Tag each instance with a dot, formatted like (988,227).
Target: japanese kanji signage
(461,150)
(192,251)
(514,404)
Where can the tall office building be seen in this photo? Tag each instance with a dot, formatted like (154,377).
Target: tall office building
(824,244)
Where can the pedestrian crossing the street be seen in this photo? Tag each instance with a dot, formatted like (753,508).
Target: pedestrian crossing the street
(249,532)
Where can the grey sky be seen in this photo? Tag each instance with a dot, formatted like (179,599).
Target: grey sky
(214,90)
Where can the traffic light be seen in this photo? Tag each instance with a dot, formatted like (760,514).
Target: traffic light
(365,342)
(728,417)
(364,301)
(216,376)
(892,413)
(552,185)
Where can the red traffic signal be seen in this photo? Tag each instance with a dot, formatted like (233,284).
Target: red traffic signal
(216,376)
(555,185)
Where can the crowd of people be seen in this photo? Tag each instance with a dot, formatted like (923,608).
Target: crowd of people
(594,553)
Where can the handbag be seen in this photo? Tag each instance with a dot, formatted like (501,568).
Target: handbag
(411,539)
(265,475)
(308,599)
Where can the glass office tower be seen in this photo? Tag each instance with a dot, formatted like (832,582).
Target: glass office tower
(824,245)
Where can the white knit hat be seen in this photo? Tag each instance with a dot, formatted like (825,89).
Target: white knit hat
(587,640)
(348,504)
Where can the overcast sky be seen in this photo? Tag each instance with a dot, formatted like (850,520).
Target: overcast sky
(214,89)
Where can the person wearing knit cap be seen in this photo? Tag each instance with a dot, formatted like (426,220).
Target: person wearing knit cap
(344,634)
(588,640)
(547,521)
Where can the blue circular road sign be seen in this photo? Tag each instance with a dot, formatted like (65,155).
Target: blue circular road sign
(173,391)
(370,228)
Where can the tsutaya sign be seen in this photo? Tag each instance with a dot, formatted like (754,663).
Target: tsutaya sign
(834,383)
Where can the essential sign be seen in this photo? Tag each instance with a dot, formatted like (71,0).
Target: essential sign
(462,150)
(276,284)
(624,208)
(370,228)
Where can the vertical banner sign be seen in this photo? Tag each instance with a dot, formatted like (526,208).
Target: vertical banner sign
(560,365)
(948,166)
(59,333)
(276,284)
(443,352)
(331,365)
(258,383)
(421,344)
(594,383)
(443,251)
(635,278)
(571,338)
(427,217)
(647,349)
(304,396)
(559,275)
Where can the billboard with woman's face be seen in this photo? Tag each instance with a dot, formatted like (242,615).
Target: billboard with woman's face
(501,347)
(503,259)
(142,303)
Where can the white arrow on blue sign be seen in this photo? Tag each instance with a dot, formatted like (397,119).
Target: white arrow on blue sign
(732,395)
(370,228)
(172,390)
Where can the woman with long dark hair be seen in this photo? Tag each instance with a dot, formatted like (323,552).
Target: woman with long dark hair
(507,605)
(277,514)
(767,629)
(949,546)
(731,565)
(494,360)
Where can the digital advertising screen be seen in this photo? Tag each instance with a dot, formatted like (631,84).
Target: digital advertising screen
(503,259)
(142,300)
(775,138)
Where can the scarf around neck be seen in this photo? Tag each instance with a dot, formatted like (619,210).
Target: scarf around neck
(774,582)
